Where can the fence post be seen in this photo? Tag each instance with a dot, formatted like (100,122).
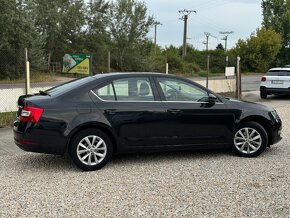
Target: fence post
(238,79)
(109,61)
(27,73)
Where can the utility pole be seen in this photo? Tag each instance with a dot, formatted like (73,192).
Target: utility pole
(155,35)
(207,74)
(226,34)
(184,17)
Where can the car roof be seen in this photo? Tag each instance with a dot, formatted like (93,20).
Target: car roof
(280,68)
(100,75)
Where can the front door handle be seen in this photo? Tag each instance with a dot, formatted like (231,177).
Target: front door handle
(174,111)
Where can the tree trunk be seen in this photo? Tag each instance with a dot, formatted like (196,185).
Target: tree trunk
(49,60)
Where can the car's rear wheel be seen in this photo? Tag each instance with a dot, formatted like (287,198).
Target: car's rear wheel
(263,95)
(250,139)
(91,149)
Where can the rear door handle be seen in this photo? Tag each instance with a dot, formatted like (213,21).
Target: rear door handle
(174,111)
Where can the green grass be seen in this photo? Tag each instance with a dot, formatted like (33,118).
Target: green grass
(7,119)
(35,77)
(228,94)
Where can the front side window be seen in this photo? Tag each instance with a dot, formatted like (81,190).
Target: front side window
(178,90)
(128,89)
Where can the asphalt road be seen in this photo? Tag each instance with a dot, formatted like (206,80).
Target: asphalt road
(249,83)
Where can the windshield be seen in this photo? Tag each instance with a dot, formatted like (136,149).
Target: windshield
(57,90)
(278,73)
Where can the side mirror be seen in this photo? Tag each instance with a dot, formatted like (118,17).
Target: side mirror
(211,99)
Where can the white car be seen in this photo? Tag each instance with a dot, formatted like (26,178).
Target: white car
(276,81)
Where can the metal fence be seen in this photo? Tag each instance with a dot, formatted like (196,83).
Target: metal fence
(12,66)
(12,63)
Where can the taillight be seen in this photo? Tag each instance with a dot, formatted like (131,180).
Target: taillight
(30,114)
(263,79)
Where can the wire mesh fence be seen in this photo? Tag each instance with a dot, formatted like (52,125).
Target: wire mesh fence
(45,65)
(197,63)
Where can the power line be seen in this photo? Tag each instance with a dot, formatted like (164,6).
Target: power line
(185,13)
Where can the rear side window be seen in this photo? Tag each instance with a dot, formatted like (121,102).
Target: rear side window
(106,92)
(128,89)
(278,73)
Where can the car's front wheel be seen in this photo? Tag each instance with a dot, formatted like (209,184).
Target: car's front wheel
(91,149)
(250,139)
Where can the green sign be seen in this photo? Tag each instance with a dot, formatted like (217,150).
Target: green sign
(76,63)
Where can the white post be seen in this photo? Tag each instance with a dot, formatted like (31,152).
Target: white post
(27,73)
(166,68)
(238,79)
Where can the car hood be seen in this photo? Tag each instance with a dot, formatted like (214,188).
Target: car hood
(247,105)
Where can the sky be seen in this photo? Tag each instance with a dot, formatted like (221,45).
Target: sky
(242,17)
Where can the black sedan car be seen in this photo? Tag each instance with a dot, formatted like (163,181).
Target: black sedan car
(95,117)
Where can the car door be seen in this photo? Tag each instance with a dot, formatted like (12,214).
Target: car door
(190,118)
(133,109)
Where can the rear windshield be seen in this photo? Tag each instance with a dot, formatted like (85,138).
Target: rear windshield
(66,87)
(278,73)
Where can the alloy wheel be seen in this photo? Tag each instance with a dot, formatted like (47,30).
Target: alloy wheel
(91,150)
(247,140)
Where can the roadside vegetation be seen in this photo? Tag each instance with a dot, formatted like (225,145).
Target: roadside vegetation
(7,119)
(121,27)
(35,77)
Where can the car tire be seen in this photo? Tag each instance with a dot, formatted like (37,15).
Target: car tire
(263,95)
(250,139)
(91,149)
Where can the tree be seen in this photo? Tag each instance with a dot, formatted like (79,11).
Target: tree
(17,32)
(276,15)
(60,23)
(259,50)
(96,37)
(220,47)
(128,27)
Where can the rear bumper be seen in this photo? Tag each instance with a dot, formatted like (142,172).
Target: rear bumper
(37,141)
(269,91)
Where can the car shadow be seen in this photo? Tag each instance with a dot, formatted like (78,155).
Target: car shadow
(56,163)
(276,97)
(170,155)
(45,162)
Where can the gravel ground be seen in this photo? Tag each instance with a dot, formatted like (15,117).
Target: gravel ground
(191,184)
